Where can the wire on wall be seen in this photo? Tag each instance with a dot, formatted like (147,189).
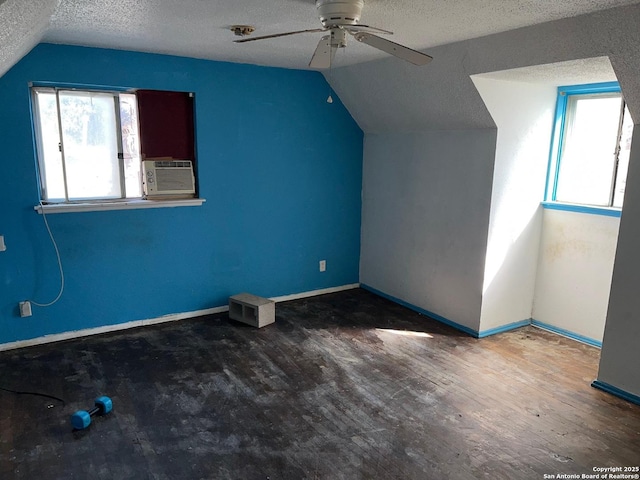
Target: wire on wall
(55,246)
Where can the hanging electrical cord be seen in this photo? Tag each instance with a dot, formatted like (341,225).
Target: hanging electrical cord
(55,246)
(37,394)
(328,80)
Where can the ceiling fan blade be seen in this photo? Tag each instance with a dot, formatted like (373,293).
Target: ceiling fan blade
(275,35)
(365,28)
(323,56)
(392,48)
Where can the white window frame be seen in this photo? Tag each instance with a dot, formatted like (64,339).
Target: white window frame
(38,133)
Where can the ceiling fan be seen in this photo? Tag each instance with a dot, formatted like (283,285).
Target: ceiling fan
(339,17)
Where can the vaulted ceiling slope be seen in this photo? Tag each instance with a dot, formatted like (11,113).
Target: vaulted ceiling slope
(22,27)
(391,96)
(196,28)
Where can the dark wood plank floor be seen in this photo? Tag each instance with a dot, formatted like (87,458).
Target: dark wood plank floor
(338,388)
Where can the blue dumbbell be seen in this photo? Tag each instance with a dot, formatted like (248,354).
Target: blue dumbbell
(82,418)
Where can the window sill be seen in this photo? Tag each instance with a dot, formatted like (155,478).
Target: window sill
(572,207)
(122,205)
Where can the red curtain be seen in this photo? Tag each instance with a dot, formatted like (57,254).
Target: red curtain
(166,124)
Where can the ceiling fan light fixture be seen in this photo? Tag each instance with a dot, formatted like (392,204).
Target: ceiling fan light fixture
(339,18)
(334,13)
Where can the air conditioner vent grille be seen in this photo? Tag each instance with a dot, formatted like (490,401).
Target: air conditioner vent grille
(162,178)
(172,164)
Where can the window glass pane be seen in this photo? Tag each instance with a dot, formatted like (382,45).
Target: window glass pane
(588,152)
(130,144)
(52,175)
(90,144)
(623,158)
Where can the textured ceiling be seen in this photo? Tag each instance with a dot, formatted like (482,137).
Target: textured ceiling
(388,96)
(574,72)
(22,25)
(199,28)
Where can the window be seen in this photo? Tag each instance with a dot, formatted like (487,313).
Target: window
(591,146)
(89,141)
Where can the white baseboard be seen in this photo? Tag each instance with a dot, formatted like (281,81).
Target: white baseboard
(57,337)
(314,293)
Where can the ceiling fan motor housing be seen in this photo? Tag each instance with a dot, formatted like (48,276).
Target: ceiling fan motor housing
(334,13)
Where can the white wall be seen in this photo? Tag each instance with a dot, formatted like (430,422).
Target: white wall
(524,114)
(577,252)
(620,357)
(424,215)
(389,98)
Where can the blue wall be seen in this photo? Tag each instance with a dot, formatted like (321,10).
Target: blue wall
(280,168)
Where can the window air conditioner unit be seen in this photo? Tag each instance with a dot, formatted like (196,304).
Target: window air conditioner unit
(168,178)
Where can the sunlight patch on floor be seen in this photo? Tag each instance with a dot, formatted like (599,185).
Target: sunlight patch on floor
(405,333)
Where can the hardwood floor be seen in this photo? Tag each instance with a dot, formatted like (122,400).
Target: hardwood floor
(346,385)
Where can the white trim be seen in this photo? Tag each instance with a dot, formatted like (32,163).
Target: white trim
(185,315)
(123,205)
(314,293)
(58,337)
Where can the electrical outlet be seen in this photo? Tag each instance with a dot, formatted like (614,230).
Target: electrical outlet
(323,265)
(25,309)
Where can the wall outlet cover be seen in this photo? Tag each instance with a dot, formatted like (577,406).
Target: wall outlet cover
(25,309)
